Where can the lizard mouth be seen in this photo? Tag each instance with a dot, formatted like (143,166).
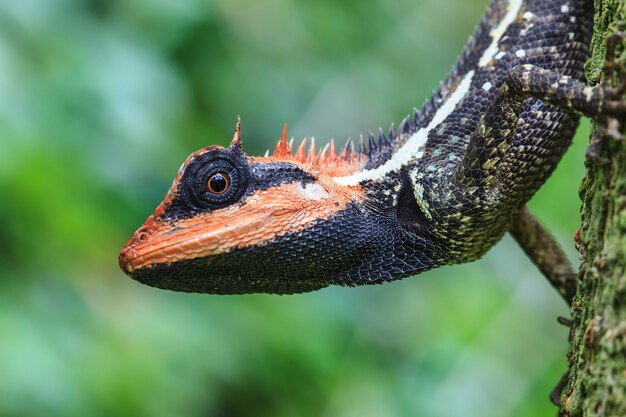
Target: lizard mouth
(264,216)
(166,245)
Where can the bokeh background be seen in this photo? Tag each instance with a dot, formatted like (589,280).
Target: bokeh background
(102,100)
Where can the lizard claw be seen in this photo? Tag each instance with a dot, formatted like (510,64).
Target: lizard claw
(555,395)
(564,321)
(612,59)
(615,73)
(614,85)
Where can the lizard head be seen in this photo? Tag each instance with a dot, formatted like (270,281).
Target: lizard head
(233,224)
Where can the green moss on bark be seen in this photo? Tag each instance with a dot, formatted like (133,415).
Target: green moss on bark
(597,357)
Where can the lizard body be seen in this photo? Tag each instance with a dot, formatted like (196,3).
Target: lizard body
(440,190)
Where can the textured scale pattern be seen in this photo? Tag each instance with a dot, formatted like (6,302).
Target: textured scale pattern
(469,215)
(440,189)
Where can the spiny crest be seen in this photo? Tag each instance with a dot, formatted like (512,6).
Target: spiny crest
(237,136)
(283,149)
(351,157)
(380,149)
(327,160)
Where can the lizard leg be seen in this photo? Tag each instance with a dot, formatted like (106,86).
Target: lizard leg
(496,129)
(545,252)
(547,255)
(567,93)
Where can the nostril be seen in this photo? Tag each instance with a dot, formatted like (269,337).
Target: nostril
(145,231)
(142,235)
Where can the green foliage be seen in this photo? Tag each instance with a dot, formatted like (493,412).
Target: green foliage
(102,101)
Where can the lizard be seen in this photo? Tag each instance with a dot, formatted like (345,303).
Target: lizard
(441,189)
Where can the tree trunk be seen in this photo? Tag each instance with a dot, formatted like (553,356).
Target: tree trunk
(597,356)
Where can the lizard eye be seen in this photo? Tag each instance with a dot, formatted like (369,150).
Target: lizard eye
(214,183)
(218,183)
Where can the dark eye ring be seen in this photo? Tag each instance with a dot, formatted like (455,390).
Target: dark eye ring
(218,183)
(214,180)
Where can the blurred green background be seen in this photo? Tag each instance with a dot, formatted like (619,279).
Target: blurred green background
(101,101)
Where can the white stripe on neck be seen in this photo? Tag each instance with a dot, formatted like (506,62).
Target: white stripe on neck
(413,149)
(512,10)
(414,146)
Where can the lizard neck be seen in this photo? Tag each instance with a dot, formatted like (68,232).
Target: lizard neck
(419,177)
(410,144)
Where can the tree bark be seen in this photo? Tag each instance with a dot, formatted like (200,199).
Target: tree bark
(597,356)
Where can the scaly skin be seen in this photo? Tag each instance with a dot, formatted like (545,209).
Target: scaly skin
(441,190)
